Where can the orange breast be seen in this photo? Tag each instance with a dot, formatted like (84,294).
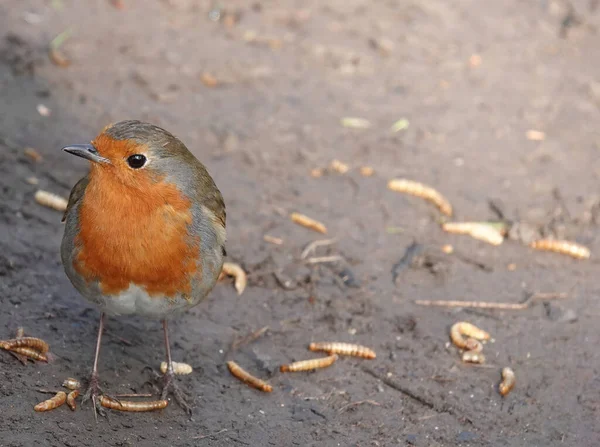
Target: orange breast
(136,235)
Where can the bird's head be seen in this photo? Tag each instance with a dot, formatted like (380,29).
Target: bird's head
(136,153)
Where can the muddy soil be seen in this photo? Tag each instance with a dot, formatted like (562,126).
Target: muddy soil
(258,91)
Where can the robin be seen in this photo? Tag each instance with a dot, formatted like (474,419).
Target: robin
(145,231)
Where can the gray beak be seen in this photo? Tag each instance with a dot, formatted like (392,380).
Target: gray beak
(86,151)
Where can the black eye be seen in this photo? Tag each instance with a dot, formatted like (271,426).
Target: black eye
(136,161)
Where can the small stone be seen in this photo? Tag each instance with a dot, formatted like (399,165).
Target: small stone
(466,436)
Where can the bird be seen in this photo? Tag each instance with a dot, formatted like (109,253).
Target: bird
(144,233)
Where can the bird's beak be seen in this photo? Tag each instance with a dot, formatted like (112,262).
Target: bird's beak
(86,151)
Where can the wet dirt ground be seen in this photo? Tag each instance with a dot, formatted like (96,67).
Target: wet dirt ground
(471,77)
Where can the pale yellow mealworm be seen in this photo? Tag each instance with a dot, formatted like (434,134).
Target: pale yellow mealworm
(339,167)
(71,399)
(52,403)
(508,381)
(423,191)
(307,365)
(178,368)
(343,349)
(473,357)
(71,383)
(51,200)
(308,222)
(366,171)
(235,270)
(480,231)
(239,372)
(563,247)
(472,332)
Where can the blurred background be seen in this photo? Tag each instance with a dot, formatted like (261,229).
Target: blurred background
(496,104)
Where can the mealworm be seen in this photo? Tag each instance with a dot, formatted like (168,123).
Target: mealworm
(31,353)
(58,58)
(317,172)
(473,332)
(366,171)
(481,231)
(508,381)
(563,247)
(32,154)
(307,365)
(473,357)
(272,239)
(423,191)
(127,405)
(307,222)
(239,372)
(51,200)
(71,383)
(232,269)
(71,399)
(343,349)
(339,167)
(52,403)
(28,342)
(178,368)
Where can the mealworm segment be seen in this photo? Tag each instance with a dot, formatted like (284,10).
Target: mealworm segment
(480,231)
(569,248)
(307,365)
(51,200)
(339,166)
(71,399)
(30,353)
(240,373)
(423,191)
(508,381)
(71,383)
(52,403)
(232,269)
(308,222)
(178,368)
(126,405)
(28,342)
(471,331)
(473,357)
(350,349)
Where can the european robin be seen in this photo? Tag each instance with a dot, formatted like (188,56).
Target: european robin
(145,231)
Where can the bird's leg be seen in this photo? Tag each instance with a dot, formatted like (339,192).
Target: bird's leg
(94,389)
(169,381)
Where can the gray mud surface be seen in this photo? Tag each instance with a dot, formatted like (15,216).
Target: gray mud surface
(471,77)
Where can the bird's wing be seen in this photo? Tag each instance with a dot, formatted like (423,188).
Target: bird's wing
(76,195)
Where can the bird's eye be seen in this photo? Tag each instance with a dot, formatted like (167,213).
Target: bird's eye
(136,161)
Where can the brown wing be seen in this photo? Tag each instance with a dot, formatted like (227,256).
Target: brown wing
(76,195)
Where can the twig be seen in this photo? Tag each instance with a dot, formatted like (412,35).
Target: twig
(538,296)
(398,387)
(314,244)
(248,338)
(324,259)
(121,339)
(134,395)
(477,304)
(212,434)
(354,404)
(406,260)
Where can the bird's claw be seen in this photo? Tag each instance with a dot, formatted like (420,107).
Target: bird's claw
(93,393)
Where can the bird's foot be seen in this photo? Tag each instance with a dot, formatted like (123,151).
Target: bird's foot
(170,386)
(94,392)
